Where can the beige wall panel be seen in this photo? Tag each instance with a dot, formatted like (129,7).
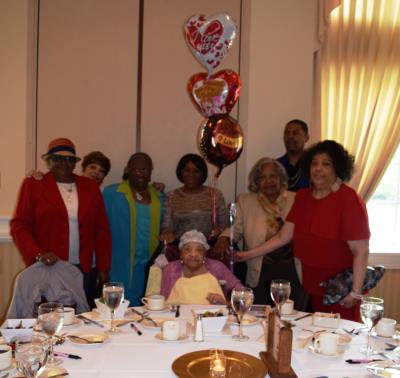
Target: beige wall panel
(87,76)
(15,100)
(388,289)
(170,122)
(279,57)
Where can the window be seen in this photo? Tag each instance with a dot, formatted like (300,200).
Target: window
(384,211)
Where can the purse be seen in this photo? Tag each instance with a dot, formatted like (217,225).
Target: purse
(338,286)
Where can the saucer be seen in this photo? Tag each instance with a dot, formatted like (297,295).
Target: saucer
(76,322)
(383,369)
(293,313)
(164,309)
(339,352)
(248,320)
(146,323)
(159,336)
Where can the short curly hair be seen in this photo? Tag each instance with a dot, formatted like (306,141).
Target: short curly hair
(97,157)
(255,173)
(342,161)
(199,163)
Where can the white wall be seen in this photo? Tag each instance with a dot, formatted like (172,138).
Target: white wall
(87,81)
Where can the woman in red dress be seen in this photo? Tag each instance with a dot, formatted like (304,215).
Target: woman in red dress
(328,224)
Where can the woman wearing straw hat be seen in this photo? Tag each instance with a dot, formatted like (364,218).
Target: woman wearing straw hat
(63,217)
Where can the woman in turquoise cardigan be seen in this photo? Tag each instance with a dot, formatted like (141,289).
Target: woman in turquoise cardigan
(134,211)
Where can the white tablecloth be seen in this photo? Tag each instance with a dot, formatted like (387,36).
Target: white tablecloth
(130,355)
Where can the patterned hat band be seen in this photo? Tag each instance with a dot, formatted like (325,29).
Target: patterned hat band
(61,146)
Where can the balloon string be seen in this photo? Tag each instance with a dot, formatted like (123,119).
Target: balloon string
(214,199)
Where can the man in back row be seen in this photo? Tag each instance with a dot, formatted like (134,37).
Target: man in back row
(295,137)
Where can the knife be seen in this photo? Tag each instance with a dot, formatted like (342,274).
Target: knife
(124,323)
(144,317)
(301,317)
(91,321)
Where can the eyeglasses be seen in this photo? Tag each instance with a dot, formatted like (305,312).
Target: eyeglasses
(62,158)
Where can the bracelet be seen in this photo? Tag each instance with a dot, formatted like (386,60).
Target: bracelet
(38,257)
(355,295)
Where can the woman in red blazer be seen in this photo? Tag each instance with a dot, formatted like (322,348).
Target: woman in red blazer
(63,217)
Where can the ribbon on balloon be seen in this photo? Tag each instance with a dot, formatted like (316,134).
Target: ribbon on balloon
(214,95)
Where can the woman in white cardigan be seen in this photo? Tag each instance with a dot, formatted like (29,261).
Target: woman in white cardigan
(260,215)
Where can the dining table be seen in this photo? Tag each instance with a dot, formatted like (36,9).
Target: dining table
(130,353)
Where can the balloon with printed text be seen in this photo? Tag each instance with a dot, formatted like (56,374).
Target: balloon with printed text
(220,140)
(216,94)
(210,38)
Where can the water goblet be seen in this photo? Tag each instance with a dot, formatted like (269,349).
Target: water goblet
(31,357)
(241,300)
(371,311)
(51,318)
(280,292)
(113,294)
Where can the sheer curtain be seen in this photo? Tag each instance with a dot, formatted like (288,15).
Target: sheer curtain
(360,85)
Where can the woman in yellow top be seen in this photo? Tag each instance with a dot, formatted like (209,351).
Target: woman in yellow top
(195,279)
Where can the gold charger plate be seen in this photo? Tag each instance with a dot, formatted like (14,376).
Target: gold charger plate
(197,364)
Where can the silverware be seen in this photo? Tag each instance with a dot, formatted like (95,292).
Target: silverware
(177,313)
(385,355)
(74,337)
(90,321)
(301,317)
(144,316)
(124,323)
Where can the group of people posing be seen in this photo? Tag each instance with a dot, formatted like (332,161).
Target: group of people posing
(116,234)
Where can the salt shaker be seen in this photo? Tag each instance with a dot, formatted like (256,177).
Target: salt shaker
(198,332)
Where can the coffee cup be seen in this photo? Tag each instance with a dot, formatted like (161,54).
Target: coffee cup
(386,327)
(154,302)
(5,356)
(170,330)
(326,343)
(287,308)
(69,315)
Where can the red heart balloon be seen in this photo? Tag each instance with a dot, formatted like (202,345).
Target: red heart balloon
(214,95)
(220,140)
(209,39)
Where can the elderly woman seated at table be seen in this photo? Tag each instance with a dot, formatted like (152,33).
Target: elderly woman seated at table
(196,279)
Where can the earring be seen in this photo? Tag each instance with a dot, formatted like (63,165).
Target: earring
(182,262)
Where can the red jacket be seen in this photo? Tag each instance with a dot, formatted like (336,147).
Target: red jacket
(40,222)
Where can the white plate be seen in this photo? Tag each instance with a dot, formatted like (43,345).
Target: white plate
(383,369)
(146,323)
(339,352)
(226,331)
(75,323)
(100,337)
(159,336)
(248,320)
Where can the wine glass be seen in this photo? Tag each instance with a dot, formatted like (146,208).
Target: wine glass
(113,294)
(32,357)
(371,311)
(51,319)
(241,300)
(280,292)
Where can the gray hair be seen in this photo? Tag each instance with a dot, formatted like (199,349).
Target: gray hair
(255,173)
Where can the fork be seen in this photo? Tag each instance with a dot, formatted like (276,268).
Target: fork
(83,339)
